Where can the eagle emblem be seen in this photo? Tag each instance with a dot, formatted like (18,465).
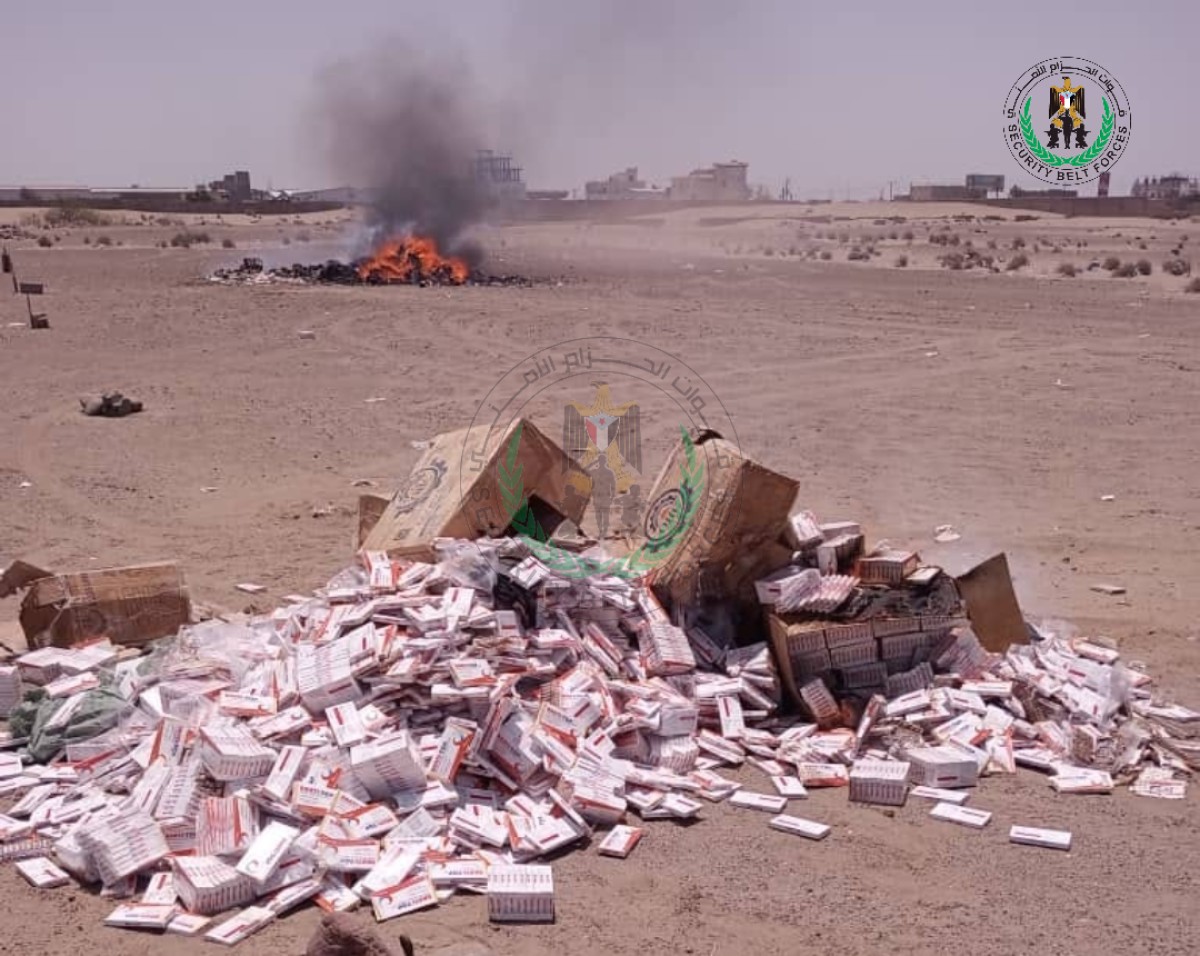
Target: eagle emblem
(602,431)
(1067,113)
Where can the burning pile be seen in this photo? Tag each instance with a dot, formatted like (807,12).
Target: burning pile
(410,260)
(426,726)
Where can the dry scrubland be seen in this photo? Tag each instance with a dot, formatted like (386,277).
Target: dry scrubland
(1004,401)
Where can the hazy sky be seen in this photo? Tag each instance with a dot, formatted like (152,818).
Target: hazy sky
(840,97)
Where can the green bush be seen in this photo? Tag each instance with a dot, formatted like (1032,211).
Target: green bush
(45,242)
(1066,269)
(1019,261)
(1144,267)
(69,215)
(1112,263)
(1127,271)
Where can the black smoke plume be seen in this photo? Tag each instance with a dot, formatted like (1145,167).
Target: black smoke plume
(405,126)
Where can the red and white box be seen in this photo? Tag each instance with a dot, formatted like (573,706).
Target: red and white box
(42,873)
(733,722)
(284,772)
(817,775)
(939,795)
(233,753)
(123,845)
(1036,836)
(246,704)
(520,894)
(963,816)
(388,765)
(267,851)
(881,782)
(620,841)
(161,890)
(771,803)
(791,788)
(346,724)
(187,924)
(415,893)
(225,825)
(237,928)
(809,829)
(453,747)
(70,684)
(142,915)
(208,885)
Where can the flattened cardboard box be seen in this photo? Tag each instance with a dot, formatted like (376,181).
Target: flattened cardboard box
(734,535)
(130,606)
(454,490)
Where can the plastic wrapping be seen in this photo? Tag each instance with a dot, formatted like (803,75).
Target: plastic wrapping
(468,564)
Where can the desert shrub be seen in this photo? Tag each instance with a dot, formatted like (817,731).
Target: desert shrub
(188,238)
(1127,271)
(73,216)
(287,241)
(1177,267)
(1022,217)
(1018,243)
(907,235)
(793,250)
(991,244)
(45,242)
(1112,263)
(228,244)
(952,260)
(1142,245)
(1193,286)
(104,240)
(893,236)
(844,237)
(826,255)
(87,240)
(856,254)
(306,237)
(1144,267)
(1066,269)
(901,262)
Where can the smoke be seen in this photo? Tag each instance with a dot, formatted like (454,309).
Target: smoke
(406,125)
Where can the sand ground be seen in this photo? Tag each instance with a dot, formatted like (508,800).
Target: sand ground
(1003,403)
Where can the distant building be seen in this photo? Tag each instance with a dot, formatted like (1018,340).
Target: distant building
(720,182)
(499,177)
(1173,186)
(944,193)
(622,185)
(1017,193)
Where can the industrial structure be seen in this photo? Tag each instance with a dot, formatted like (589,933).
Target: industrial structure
(499,177)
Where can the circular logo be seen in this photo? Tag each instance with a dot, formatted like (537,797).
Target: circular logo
(615,404)
(1067,121)
(419,486)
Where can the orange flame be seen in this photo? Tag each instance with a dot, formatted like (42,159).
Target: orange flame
(412,259)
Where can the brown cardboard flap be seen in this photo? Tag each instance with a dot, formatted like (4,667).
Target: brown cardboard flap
(18,576)
(991,603)
(131,606)
(454,490)
(370,510)
(743,509)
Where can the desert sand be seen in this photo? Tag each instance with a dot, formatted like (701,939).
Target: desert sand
(1004,403)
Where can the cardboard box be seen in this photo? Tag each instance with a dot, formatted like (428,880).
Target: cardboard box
(732,541)
(454,489)
(991,604)
(130,606)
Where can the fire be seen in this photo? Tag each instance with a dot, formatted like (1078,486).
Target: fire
(412,259)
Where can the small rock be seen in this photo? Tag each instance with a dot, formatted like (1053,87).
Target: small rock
(1111,589)
(308,334)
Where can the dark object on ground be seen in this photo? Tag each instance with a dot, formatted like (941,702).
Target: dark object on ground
(334,272)
(110,405)
(338,936)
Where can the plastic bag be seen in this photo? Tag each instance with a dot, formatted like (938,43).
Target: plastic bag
(468,565)
(101,710)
